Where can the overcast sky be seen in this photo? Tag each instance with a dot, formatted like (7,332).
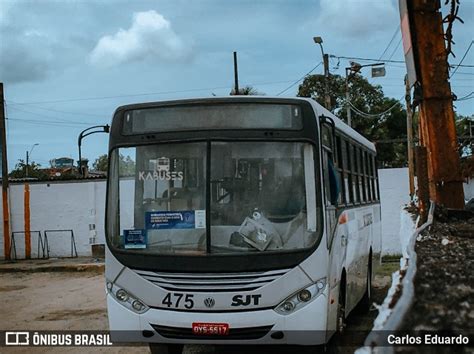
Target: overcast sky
(66,65)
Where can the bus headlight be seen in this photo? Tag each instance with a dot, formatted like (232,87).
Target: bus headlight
(301,297)
(128,300)
(121,295)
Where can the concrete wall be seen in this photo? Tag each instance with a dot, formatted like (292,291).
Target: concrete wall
(469,189)
(80,206)
(394,194)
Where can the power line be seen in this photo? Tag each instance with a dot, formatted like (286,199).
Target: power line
(47,122)
(395,50)
(373,115)
(370,59)
(464,97)
(467,51)
(59,111)
(398,61)
(121,96)
(49,117)
(301,78)
(136,95)
(390,43)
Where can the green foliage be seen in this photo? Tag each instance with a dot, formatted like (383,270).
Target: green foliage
(370,99)
(34,170)
(465,132)
(101,163)
(126,164)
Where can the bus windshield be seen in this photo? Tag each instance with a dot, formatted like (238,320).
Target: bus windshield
(249,197)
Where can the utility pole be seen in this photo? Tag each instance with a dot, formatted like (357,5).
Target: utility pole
(410,145)
(438,131)
(236,75)
(4,170)
(327,97)
(348,98)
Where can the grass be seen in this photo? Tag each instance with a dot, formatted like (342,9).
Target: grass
(387,268)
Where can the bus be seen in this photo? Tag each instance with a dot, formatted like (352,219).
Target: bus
(243,220)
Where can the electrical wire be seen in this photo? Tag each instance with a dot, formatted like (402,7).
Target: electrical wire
(397,61)
(466,97)
(395,50)
(303,77)
(458,65)
(390,42)
(49,117)
(59,111)
(373,115)
(47,122)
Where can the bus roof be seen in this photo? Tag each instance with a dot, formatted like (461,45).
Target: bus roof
(320,110)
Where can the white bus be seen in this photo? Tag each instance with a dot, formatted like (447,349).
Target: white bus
(265,228)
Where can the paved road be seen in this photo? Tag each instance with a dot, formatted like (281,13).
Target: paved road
(76,301)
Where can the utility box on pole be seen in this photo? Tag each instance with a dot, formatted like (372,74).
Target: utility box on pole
(437,126)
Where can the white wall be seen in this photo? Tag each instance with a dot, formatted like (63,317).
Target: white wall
(80,206)
(394,194)
(469,189)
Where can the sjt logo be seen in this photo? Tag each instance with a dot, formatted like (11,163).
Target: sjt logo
(241,300)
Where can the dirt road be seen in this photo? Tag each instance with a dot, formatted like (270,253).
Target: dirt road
(76,301)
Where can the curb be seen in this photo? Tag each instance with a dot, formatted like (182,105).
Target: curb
(92,268)
(374,341)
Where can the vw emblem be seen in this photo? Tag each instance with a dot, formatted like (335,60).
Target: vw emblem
(209,302)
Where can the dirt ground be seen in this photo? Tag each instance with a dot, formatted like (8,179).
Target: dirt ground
(444,282)
(76,301)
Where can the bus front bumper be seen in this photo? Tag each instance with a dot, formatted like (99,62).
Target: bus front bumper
(306,326)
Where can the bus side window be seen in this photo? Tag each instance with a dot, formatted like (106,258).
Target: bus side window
(340,170)
(331,179)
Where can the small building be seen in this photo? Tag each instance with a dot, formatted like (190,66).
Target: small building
(61,166)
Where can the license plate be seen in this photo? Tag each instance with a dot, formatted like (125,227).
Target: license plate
(210,329)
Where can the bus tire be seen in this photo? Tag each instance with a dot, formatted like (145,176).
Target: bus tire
(166,348)
(366,301)
(341,304)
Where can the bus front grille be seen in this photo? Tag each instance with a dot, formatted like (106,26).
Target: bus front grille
(234,333)
(215,282)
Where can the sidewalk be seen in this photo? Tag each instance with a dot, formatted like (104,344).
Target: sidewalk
(80,264)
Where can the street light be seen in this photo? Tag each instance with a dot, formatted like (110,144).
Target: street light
(83,134)
(28,158)
(327,98)
(350,72)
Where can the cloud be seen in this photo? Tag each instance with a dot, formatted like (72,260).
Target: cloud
(357,18)
(149,36)
(26,56)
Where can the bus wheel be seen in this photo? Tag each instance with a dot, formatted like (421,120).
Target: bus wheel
(341,316)
(166,348)
(366,301)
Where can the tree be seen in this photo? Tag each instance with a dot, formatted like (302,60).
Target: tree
(126,165)
(101,163)
(368,101)
(246,91)
(465,133)
(34,170)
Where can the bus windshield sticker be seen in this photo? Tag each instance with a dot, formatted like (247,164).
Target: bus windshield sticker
(184,219)
(135,239)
